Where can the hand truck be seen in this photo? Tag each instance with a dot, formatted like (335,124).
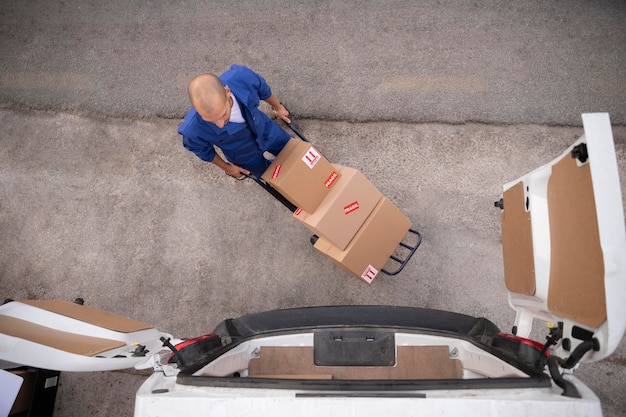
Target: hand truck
(401,261)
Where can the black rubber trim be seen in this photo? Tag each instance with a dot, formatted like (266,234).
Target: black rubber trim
(539,381)
(357,316)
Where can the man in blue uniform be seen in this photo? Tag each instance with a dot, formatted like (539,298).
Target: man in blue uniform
(225,113)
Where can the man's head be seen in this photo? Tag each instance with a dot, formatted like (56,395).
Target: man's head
(211,99)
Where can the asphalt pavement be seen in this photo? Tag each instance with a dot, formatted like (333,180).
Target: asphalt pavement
(438,103)
(492,61)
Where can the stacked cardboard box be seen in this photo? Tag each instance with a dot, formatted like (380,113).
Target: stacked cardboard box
(301,174)
(344,209)
(358,228)
(374,242)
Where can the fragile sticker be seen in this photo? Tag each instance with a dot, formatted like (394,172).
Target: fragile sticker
(351,207)
(369,274)
(331,179)
(311,157)
(276,171)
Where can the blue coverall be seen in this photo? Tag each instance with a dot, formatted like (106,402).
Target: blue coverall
(243,144)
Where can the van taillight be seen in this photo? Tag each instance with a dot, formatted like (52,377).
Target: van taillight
(523,340)
(191,350)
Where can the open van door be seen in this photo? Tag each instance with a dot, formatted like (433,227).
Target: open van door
(564,245)
(64,336)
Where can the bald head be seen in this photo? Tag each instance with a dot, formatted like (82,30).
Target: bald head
(206,93)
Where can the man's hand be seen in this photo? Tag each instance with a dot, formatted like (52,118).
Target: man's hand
(230,169)
(281,112)
(236,171)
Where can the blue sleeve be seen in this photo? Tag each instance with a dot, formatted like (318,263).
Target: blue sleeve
(193,137)
(265,91)
(253,80)
(202,149)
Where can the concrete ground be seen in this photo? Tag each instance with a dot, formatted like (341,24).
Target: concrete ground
(438,103)
(117,212)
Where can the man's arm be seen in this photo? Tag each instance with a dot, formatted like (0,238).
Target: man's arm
(230,169)
(252,80)
(206,152)
(279,110)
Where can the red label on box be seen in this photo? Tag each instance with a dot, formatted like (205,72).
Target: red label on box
(298,211)
(311,157)
(351,207)
(276,171)
(369,274)
(331,180)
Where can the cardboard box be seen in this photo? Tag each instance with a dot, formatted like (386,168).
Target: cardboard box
(373,244)
(38,392)
(301,174)
(344,210)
